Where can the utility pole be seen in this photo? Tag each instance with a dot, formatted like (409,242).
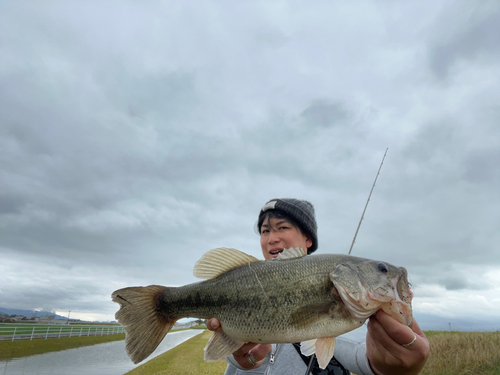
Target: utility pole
(68,316)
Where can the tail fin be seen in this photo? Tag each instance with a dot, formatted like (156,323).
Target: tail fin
(145,325)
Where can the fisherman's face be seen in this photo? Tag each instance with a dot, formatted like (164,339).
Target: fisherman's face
(277,234)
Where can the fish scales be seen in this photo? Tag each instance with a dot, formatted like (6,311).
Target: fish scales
(255,302)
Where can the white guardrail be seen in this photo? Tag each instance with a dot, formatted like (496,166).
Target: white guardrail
(12,331)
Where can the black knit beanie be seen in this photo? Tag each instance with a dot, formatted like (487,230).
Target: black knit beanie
(301,211)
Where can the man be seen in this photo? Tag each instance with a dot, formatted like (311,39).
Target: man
(391,347)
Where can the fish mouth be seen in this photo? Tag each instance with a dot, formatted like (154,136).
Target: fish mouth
(399,310)
(397,307)
(365,303)
(400,307)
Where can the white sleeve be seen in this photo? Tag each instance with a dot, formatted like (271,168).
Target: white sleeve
(352,355)
(233,362)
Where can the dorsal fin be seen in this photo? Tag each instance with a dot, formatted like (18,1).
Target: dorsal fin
(217,261)
(293,252)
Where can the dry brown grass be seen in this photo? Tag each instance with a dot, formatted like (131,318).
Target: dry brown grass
(463,353)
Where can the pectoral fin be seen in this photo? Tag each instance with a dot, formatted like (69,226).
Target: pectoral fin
(324,350)
(220,346)
(310,314)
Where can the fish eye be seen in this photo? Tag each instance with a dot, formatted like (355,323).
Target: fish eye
(382,267)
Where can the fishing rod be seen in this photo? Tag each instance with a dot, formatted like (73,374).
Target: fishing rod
(368,200)
(313,359)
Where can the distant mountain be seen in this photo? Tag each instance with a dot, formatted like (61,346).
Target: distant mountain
(30,313)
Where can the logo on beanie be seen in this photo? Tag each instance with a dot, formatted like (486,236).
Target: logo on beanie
(269,206)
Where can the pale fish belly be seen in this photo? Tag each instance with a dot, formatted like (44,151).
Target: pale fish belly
(286,333)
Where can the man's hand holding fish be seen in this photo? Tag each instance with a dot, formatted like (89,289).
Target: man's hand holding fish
(257,351)
(388,346)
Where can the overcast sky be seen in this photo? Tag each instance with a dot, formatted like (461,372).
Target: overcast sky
(136,136)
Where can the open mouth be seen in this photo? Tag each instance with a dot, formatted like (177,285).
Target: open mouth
(275,252)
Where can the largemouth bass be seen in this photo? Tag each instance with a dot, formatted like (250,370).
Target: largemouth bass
(294,298)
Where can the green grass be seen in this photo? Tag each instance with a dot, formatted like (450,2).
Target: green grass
(184,359)
(24,348)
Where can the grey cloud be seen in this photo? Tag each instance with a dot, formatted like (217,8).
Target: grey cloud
(11,203)
(131,147)
(76,297)
(460,283)
(435,143)
(322,113)
(271,37)
(453,274)
(483,167)
(477,39)
(454,284)
(169,95)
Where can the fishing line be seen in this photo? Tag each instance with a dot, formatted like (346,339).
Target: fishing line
(311,364)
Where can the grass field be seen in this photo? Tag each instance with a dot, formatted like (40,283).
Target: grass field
(18,349)
(452,353)
(463,353)
(185,359)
